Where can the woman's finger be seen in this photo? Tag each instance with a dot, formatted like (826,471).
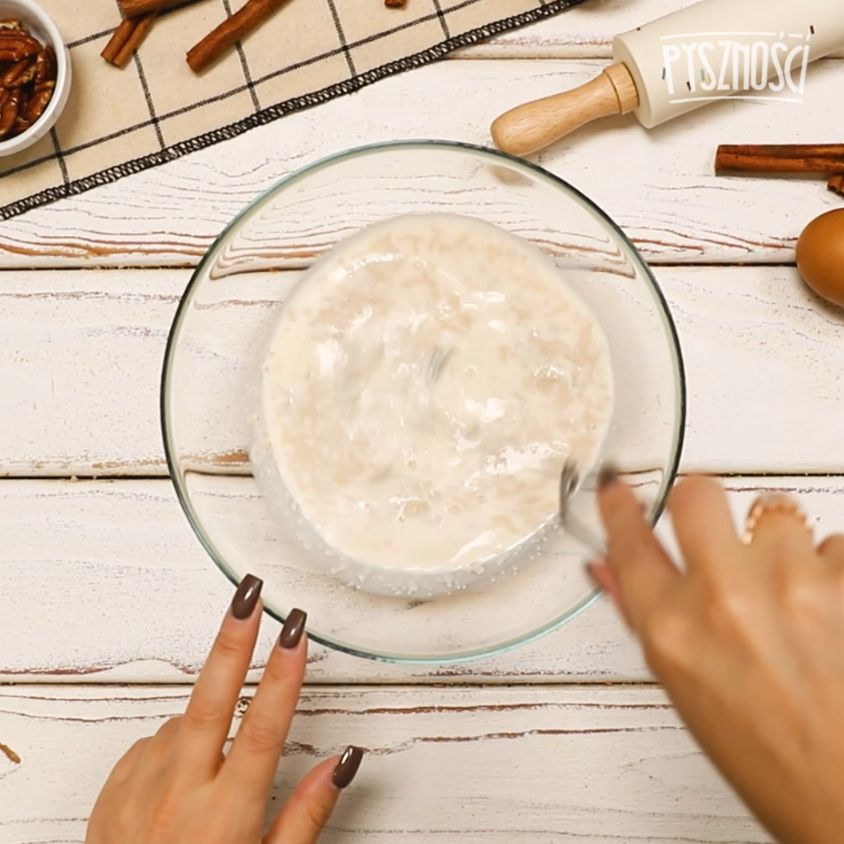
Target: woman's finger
(780,538)
(639,561)
(254,755)
(832,548)
(307,812)
(206,722)
(169,729)
(605,579)
(778,530)
(703,524)
(125,766)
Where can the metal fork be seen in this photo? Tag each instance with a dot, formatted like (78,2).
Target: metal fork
(435,362)
(569,483)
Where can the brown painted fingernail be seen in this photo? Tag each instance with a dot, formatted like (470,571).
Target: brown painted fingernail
(246,597)
(607,476)
(592,574)
(347,767)
(294,627)
(601,575)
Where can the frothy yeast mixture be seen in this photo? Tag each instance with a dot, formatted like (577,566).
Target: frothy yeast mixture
(423,387)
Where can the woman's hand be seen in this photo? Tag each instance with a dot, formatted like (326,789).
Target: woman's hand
(748,641)
(177,787)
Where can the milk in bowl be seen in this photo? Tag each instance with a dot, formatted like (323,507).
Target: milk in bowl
(421,391)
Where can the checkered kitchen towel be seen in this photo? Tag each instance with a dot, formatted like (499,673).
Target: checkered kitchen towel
(119,122)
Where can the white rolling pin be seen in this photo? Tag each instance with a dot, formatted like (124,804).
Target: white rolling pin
(708,51)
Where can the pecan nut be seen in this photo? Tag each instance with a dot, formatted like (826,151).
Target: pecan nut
(9,108)
(39,101)
(28,74)
(15,46)
(45,66)
(21,122)
(20,73)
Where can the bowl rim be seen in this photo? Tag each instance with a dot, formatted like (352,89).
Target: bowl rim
(63,80)
(459,147)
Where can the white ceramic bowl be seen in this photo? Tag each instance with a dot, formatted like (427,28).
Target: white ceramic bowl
(42,27)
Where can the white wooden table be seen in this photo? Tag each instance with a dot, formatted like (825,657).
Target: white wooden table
(109,604)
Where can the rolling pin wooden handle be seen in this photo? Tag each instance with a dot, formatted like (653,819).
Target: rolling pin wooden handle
(535,125)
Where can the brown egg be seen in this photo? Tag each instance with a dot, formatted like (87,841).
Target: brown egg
(820,256)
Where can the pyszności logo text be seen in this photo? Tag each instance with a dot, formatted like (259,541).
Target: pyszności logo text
(745,65)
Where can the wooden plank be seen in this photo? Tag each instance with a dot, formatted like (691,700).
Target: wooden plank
(110,585)
(583,32)
(80,358)
(665,196)
(498,766)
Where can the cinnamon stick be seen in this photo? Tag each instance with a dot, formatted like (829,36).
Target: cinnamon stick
(230,31)
(127,38)
(118,40)
(836,184)
(136,8)
(783,158)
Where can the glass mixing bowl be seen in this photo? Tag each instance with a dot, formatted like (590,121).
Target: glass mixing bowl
(217,343)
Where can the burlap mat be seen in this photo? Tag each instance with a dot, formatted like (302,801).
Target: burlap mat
(119,122)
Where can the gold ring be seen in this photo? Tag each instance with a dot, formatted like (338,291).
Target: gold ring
(775,504)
